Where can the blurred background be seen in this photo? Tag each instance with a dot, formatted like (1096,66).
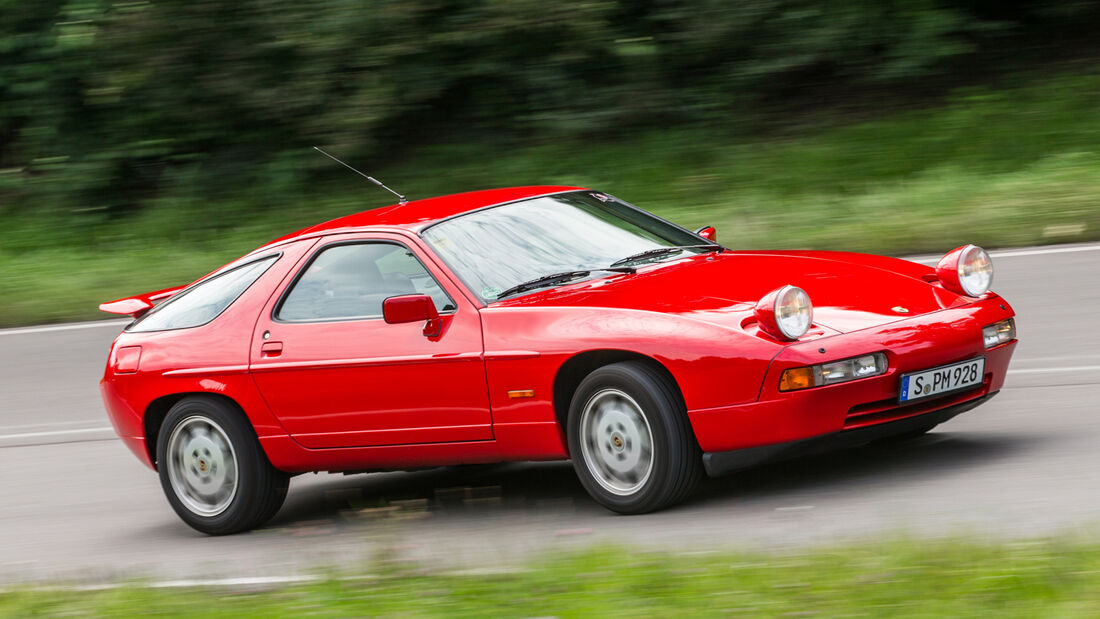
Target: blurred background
(143,144)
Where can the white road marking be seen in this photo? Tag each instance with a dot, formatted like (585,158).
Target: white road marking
(1076,368)
(1013,253)
(43,424)
(55,433)
(1018,360)
(243,581)
(94,324)
(259,581)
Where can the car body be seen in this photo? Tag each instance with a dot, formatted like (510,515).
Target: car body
(313,377)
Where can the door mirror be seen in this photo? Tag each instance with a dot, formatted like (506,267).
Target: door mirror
(708,233)
(413,308)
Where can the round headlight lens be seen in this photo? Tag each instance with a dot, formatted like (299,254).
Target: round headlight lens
(975,271)
(793,312)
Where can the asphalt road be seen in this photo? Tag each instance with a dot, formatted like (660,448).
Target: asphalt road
(75,505)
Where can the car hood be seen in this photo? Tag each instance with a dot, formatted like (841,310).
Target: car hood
(849,291)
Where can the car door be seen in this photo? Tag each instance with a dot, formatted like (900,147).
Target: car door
(337,375)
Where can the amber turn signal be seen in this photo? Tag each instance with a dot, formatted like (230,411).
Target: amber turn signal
(833,372)
(797,378)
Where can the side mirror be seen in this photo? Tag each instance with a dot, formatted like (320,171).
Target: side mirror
(708,233)
(413,308)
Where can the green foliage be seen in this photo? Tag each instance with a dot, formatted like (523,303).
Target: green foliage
(107,107)
(1015,166)
(145,143)
(948,578)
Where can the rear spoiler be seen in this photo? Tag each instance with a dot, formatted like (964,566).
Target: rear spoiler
(138,305)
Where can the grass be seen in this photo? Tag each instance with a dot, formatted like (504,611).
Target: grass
(1015,165)
(898,579)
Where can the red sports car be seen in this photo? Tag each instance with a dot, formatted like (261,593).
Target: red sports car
(537,323)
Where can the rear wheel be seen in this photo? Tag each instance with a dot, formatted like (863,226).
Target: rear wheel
(213,470)
(630,441)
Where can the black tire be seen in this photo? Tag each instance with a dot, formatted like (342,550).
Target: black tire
(675,458)
(259,488)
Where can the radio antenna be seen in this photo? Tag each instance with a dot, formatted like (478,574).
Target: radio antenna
(400,198)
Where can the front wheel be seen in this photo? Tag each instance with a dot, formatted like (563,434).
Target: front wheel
(630,440)
(213,470)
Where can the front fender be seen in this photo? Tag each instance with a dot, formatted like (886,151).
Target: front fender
(712,364)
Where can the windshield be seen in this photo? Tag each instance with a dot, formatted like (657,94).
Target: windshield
(495,249)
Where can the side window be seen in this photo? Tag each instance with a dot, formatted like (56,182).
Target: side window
(351,281)
(204,301)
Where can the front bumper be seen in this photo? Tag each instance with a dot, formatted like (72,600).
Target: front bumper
(910,345)
(722,462)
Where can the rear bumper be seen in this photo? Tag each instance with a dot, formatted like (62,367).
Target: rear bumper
(722,462)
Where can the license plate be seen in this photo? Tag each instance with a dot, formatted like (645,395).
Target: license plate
(941,380)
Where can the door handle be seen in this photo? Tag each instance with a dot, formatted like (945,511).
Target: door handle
(271,349)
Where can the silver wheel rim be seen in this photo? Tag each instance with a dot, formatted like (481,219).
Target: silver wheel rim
(202,466)
(616,442)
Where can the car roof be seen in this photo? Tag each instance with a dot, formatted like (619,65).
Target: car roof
(415,215)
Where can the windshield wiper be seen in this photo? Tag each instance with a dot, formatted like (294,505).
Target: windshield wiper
(661,251)
(558,278)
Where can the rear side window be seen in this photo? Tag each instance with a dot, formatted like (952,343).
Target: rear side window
(350,281)
(205,301)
